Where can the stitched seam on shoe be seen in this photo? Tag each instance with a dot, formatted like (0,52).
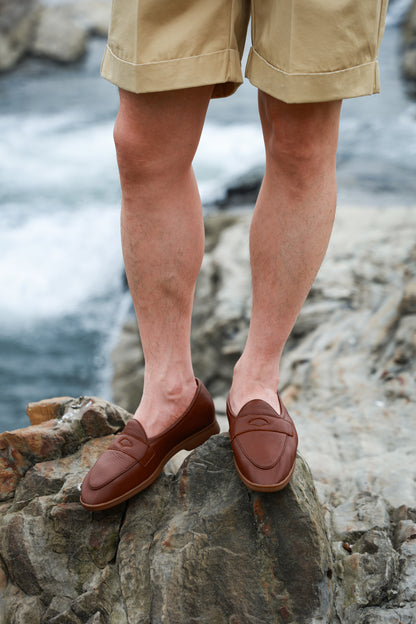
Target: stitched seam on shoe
(264,429)
(138,461)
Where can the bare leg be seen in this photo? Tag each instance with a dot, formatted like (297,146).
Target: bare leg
(289,234)
(156,137)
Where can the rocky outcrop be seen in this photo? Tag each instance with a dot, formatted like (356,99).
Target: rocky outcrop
(196,546)
(58,32)
(409,45)
(17,21)
(57,36)
(348,378)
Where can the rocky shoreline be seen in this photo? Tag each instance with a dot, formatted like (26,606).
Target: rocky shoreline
(348,379)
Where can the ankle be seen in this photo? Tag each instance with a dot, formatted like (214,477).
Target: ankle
(256,372)
(163,402)
(169,386)
(248,384)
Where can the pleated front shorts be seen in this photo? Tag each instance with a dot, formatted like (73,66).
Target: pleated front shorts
(302,50)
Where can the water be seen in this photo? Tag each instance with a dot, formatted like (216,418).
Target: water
(61,275)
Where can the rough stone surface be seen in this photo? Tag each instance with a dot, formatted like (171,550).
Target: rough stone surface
(409,45)
(183,550)
(77,421)
(58,37)
(92,15)
(17,20)
(58,32)
(196,546)
(348,377)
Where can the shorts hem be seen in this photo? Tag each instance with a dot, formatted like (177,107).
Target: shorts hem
(221,68)
(312,87)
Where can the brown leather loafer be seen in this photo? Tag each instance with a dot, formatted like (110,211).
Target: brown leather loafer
(264,444)
(132,461)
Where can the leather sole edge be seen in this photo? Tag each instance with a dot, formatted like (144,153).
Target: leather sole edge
(257,487)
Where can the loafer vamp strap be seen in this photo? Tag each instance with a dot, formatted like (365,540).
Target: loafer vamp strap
(132,441)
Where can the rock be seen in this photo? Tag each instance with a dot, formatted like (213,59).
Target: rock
(128,367)
(355,517)
(92,15)
(58,37)
(58,32)
(247,556)
(47,409)
(375,576)
(195,546)
(409,64)
(183,550)
(409,24)
(17,20)
(409,41)
(78,420)
(243,190)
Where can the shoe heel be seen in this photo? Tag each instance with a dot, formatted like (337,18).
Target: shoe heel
(199,438)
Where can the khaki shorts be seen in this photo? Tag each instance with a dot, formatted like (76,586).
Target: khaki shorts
(302,50)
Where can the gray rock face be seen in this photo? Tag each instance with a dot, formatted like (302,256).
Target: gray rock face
(59,32)
(17,20)
(58,37)
(348,378)
(223,554)
(409,51)
(196,546)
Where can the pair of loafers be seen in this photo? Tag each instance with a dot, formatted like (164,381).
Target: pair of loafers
(264,444)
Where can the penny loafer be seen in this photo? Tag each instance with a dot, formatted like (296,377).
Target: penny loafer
(133,461)
(264,445)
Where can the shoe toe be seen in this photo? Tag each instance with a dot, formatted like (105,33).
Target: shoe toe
(103,480)
(264,445)
(269,468)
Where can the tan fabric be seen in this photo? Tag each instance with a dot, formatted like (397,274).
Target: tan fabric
(302,50)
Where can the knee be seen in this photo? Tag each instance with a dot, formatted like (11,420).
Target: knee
(300,140)
(145,152)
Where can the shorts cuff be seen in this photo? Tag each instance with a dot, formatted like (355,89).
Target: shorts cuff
(314,87)
(221,69)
